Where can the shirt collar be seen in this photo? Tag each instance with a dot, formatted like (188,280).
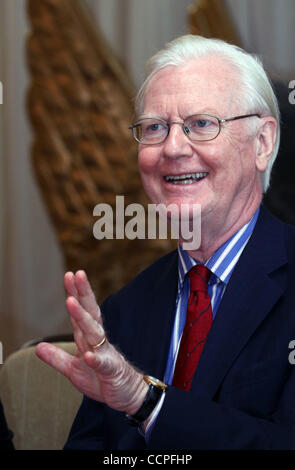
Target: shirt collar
(224,259)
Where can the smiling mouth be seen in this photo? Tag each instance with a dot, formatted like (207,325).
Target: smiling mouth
(187,178)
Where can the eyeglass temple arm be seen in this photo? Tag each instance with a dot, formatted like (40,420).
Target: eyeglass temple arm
(238,117)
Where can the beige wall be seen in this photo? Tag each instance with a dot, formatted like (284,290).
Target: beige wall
(267,28)
(31,290)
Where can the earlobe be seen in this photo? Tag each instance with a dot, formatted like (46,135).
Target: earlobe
(266,138)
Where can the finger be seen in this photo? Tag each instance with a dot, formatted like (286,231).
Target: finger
(56,357)
(79,337)
(70,286)
(86,295)
(92,331)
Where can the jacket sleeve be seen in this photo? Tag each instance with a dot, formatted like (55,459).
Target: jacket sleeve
(190,421)
(87,429)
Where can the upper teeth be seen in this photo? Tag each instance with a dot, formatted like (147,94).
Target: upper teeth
(186,176)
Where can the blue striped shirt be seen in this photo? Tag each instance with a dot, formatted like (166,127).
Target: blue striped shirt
(221,265)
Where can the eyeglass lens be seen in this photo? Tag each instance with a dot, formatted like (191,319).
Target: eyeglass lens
(198,127)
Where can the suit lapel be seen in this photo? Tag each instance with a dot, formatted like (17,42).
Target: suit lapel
(156,320)
(249,297)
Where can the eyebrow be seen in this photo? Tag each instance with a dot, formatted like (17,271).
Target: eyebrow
(209,111)
(145,116)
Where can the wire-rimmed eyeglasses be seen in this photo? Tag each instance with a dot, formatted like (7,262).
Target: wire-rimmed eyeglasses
(198,128)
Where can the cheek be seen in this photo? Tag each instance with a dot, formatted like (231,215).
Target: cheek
(240,171)
(247,161)
(147,165)
(147,161)
(226,167)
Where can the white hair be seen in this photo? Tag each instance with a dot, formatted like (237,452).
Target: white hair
(255,86)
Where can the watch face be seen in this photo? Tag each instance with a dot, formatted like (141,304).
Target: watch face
(156,382)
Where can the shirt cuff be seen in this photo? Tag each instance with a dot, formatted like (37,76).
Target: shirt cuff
(147,425)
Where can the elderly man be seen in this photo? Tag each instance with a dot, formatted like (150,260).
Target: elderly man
(193,353)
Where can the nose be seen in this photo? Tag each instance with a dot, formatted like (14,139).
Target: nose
(177,144)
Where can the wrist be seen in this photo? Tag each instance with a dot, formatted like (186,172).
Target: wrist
(155,390)
(140,394)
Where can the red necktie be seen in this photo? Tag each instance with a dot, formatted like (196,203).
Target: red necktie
(197,327)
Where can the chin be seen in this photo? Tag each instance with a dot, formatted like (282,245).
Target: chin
(184,209)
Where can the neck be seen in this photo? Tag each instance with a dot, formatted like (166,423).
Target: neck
(215,234)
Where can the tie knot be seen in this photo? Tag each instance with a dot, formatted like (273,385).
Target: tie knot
(199,276)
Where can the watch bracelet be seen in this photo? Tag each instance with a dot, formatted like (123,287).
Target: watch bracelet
(152,397)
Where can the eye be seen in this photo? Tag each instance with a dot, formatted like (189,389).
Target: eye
(201,123)
(154,127)
(150,127)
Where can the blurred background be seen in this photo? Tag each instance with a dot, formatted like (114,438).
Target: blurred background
(69,71)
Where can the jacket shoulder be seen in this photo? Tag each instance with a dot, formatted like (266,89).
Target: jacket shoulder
(125,303)
(148,278)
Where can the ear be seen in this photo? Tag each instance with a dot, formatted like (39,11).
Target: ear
(266,137)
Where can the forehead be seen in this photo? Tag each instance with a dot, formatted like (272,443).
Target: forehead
(206,84)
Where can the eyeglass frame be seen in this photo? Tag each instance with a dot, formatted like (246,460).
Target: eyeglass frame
(220,121)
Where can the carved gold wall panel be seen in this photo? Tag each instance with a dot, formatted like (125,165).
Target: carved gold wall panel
(211,18)
(80,106)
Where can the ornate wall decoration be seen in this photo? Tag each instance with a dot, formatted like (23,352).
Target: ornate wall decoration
(211,18)
(80,106)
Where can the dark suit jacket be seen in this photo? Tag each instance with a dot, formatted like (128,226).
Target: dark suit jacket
(243,393)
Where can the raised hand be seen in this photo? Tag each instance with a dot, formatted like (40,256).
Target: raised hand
(98,370)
